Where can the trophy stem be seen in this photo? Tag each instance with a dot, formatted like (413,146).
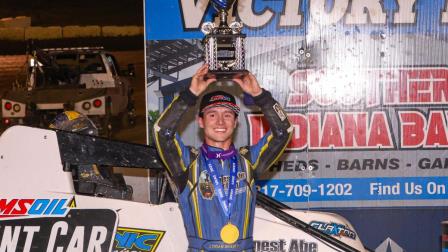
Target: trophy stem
(222,18)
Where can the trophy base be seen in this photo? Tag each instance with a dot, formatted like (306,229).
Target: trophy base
(220,74)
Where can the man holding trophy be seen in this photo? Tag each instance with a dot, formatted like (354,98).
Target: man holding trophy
(216,182)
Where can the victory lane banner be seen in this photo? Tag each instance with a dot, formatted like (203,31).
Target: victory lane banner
(365,101)
(182,19)
(365,86)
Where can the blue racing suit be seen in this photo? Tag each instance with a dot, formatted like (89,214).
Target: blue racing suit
(201,211)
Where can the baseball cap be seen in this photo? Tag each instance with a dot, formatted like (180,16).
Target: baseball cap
(218,99)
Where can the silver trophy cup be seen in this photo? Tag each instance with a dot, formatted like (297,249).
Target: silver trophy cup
(224,44)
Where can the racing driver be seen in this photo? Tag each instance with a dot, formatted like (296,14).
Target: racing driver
(216,182)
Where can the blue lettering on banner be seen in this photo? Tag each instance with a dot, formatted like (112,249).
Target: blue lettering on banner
(181,19)
(350,189)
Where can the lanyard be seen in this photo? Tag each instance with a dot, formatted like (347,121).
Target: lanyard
(227,154)
(225,200)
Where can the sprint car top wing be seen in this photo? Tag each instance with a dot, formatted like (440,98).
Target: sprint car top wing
(78,149)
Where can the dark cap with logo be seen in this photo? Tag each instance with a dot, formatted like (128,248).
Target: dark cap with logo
(218,99)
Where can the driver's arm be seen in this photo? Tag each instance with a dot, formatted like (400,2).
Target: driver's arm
(174,154)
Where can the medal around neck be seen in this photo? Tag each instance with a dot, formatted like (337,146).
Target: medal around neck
(224,44)
(229,233)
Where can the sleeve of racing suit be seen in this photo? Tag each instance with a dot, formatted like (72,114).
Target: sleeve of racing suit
(174,154)
(270,147)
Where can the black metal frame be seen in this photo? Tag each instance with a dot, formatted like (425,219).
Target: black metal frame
(165,57)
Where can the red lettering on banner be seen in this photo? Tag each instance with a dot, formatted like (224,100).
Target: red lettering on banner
(400,86)
(441,92)
(320,86)
(258,127)
(416,86)
(300,136)
(419,91)
(436,130)
(331,133)
(300,95)
(314,125)
(380,135)
(412,129)
(355,125)
(350,132)
(417,131)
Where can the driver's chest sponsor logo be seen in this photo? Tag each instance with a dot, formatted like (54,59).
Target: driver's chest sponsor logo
(207,189)
(206,185)
(137,240)
(79,230)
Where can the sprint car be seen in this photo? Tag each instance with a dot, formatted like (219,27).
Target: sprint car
(46,206)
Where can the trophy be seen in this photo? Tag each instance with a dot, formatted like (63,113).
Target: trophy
(224,44)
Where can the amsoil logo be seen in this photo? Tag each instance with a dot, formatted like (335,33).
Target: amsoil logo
(32,207)
(137,240)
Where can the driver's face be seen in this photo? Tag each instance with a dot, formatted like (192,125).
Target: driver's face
(218,124)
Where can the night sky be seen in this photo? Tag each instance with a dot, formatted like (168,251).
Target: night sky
(75,12)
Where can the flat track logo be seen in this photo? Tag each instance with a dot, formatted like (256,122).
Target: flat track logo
(334,229)
(137,240)
(32,207)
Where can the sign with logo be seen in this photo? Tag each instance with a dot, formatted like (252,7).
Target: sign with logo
(293,245)
(334,229)
(10,208)
(364,84)
(138,240)
(394,122)
(183,18)
(78,230)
